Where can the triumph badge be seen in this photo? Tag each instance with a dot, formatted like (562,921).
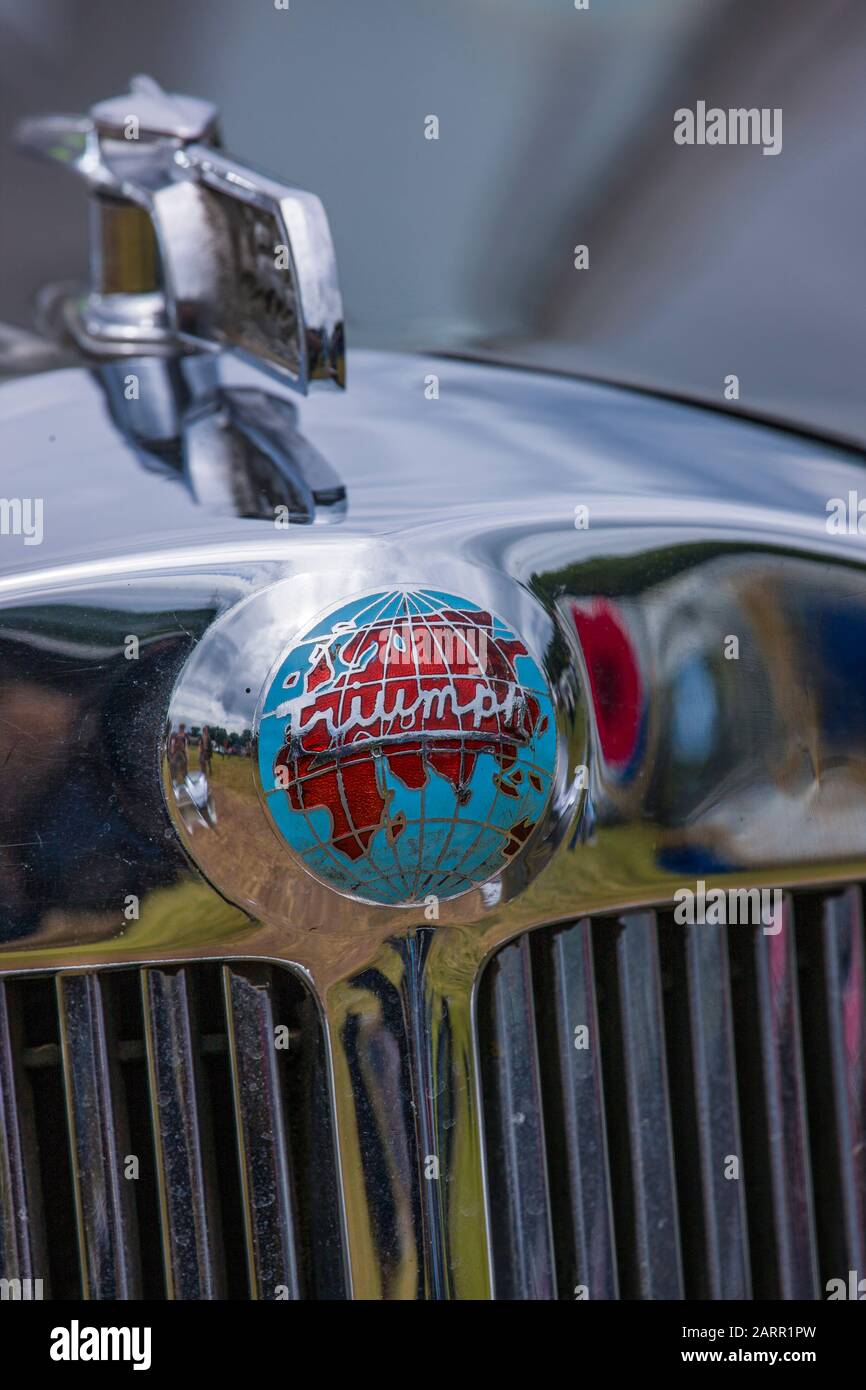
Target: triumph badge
(406,746)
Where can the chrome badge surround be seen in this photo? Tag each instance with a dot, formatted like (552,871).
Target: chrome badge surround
(231,835)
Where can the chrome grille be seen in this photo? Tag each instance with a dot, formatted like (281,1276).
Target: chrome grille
(177,1068)
(608,1166)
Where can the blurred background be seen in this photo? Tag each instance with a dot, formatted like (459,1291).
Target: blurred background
(556,128)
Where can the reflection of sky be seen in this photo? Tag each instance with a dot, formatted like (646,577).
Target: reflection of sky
(694,709)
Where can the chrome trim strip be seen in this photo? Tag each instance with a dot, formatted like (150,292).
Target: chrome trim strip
(382,1094)
(22,1248)
(265,1166)
(408,1126)
(192,1253)
(422,1093)
(95,1107)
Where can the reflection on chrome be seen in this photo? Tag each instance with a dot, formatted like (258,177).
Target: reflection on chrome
(195,803)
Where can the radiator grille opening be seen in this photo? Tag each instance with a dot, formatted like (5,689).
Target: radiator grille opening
(678,1112)
(174,1069)
(668,1112)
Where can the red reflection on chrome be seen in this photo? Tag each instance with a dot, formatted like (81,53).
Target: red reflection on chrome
(614,677)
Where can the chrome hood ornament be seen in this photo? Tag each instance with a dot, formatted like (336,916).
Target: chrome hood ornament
(192,250)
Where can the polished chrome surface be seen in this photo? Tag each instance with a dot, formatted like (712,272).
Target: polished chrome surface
(192,248)
(158,113)
(380,1040)
(107,1234)
(183,1141)
(236,451)
(741,772)
(405,1075)
(269,1221)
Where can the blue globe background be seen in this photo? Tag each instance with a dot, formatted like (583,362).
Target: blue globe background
(447,844)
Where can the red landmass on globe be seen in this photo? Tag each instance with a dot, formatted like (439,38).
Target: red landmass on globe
(347,724)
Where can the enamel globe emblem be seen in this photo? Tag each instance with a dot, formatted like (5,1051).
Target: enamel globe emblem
(406,746)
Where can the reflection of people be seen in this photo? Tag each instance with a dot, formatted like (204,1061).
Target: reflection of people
(204,751)
(177,759)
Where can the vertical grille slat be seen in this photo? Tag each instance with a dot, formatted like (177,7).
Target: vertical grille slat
(22,1252)
(647,1218)
(785,1084)
(182,1141)
(778,1166)
(726,1271)
(520,1216)
(107,1233)
(577,1147)
(262,1144)
(846,996)
(830,940)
